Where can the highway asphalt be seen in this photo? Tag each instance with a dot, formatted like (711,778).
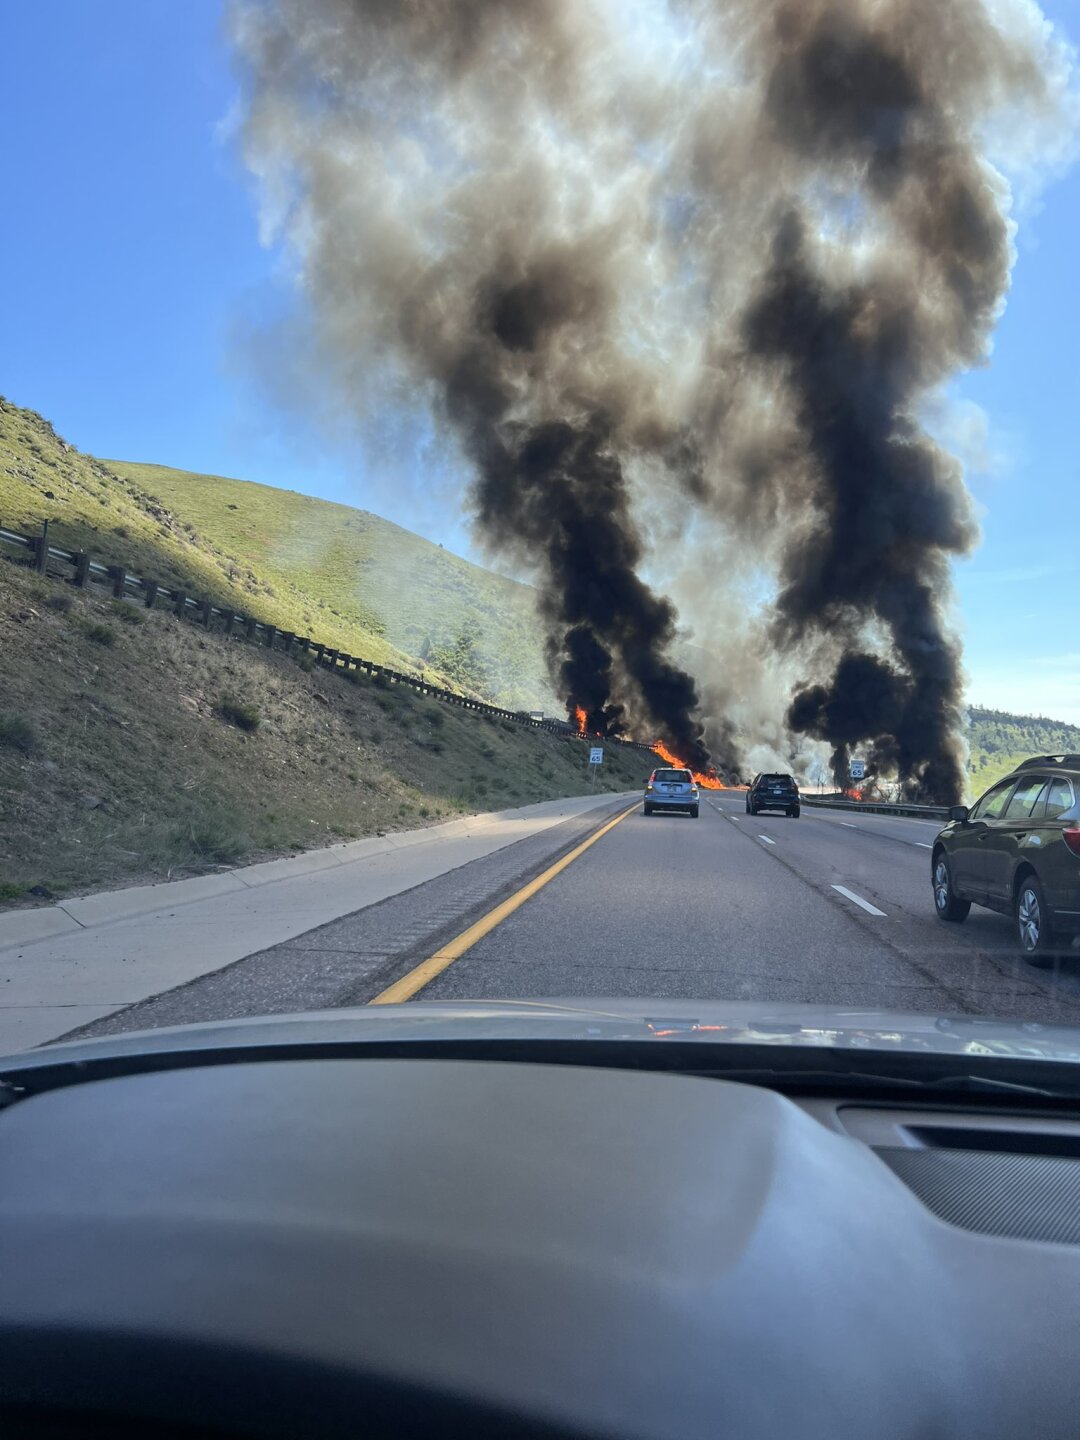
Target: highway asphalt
(828,909)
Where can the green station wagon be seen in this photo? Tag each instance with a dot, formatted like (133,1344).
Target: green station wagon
(1017,850)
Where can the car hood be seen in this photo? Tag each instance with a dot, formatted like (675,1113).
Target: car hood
(654,1021)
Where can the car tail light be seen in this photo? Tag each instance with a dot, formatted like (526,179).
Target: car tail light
(1071,836)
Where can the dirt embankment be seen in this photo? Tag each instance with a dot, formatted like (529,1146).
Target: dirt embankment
(135,747)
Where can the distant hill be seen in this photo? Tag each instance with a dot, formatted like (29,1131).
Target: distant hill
(999,741)
(344,576)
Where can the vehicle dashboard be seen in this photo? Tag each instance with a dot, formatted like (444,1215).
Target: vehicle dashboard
(433,1246)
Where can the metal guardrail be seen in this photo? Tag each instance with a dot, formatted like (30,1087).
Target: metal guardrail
(879,807)
(204,612)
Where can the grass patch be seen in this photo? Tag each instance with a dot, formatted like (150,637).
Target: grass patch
(17,732)
(126,613)
(215,840)
(238,713)
(10,892)
(101,635)
(61,602)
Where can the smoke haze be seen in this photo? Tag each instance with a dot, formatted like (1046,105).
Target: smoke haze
(676,276)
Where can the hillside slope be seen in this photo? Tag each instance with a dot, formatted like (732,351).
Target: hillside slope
(325,559)
(999,741)
(134,746)
(347,578)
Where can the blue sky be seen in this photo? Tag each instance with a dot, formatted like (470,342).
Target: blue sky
(132,271)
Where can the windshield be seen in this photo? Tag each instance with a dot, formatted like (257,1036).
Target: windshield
(513,503)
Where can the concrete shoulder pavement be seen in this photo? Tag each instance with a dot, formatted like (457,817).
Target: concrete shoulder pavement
(68,964)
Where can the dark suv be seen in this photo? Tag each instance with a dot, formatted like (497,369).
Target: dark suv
(1017,850)
(773,792)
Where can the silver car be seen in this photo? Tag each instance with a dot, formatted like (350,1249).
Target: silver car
(671,790)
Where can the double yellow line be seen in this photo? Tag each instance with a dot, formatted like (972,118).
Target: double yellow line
(426,971)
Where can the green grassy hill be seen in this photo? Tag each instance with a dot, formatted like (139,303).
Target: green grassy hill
(999,741)
(345,577)
(328,560)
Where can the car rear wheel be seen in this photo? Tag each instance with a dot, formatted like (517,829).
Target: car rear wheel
(648,809)
(1033,928)
(693,812)
(946,902)
(794,812)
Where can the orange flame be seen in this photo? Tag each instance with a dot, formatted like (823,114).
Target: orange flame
(582,720)
(706,782)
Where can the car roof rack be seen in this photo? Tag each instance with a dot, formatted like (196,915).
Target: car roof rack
(1051,762)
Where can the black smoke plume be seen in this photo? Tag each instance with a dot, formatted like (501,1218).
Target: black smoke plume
(855,356)
(676,278)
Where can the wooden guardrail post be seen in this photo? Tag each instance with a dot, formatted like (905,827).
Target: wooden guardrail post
(270,636)
(41,548)
(230,620)
(118,576)
(181,604)
(206,611)
(82,569)
(250,629)
(287,637)
(151,588)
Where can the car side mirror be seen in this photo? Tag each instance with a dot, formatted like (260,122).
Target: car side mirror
(958,812)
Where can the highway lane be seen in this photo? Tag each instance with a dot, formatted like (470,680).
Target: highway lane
(828,909)
(764,907)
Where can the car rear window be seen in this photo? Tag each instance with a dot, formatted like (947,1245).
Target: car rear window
(777,780)
(669,777)
(1060,800)
(1026,797)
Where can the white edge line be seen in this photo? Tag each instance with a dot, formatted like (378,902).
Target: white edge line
(925,844)
(766,839)
(848,825)
(858,900)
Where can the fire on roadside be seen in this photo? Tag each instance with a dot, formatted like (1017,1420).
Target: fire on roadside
(582,719)
(706,781)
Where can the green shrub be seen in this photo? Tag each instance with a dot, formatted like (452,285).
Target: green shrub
(435,716)
(238,713)
(127,613)
(10,892)
(306,663)
(213,838)
(16,732)
(101,635)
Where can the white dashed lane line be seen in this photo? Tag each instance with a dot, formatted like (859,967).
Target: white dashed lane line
(848,825)
(858,900)
(924,844)
(766,839)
